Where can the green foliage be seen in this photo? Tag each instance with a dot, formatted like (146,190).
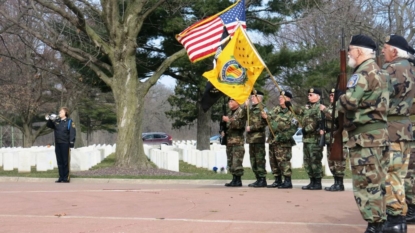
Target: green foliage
(96,114)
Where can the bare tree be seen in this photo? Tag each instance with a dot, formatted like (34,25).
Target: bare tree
(122,22)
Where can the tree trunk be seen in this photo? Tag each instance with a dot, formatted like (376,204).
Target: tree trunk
(75,118)
(28,137)
(129,102)
(203,129)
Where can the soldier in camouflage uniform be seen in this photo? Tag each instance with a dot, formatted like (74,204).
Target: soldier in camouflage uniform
(410,176)
(235,124)
(255,137)
(310,117)
(283,126)
(401,96)
(336,167)
(365,106)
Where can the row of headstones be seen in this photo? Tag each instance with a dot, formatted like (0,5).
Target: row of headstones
(164,158)
(184,142)
(216,156)
(44,158)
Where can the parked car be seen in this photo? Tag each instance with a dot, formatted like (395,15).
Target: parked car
(298,136)
(157,138)
(215,139)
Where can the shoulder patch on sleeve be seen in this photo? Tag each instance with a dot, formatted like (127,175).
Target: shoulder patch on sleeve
(73,125)
(353,80)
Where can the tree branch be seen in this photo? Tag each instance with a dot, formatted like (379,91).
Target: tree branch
(162,68)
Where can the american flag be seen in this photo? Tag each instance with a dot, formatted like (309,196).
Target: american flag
(203,37)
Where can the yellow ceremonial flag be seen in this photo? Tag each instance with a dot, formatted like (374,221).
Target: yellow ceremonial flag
(237,69)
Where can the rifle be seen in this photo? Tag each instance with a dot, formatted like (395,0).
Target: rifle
(336,148)
(222,124)
(322,126)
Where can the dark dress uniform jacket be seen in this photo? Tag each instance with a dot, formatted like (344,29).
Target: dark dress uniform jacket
(64,132)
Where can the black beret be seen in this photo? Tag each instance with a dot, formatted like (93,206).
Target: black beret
(315,91)
(397,41)
(257,92)
(287,93)
(363,41)
(333,90)
(410,50)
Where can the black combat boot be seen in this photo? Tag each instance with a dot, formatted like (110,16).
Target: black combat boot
(238,182)
(307,187)
(375,227)
(410,216)
(331,188)
(277,182)
(395,224)
(230,184)
(287,183)
(337,186)
(255,183)
(262,183)
(340,186)
(317,184)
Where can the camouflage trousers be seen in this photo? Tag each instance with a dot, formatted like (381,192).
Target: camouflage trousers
(337,167)
(394,183)
(313,155)
(410,177)
(368,175)
(257,156)
(280,159)
(235,156)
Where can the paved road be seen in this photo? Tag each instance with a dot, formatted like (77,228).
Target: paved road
(88,205)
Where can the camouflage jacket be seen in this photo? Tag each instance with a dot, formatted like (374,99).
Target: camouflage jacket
(402,92)
(365,106)
(412,118)
(329,123)
(236,127)
(283,125)
(256,125)
(310,117)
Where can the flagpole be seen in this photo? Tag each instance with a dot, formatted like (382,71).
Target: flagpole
(269,72)
(262,109)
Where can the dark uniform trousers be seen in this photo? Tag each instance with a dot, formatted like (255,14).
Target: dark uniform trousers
(63,159)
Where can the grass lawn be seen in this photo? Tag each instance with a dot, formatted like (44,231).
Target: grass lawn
(196,173)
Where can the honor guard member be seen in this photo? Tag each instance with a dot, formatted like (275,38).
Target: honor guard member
(336,167)
(64,132)
(283,125)
(255,137)
(365,106)
(410,176)
(401,96)
(310,117)
(235,124)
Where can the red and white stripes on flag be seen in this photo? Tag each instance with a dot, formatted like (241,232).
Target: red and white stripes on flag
(203,37)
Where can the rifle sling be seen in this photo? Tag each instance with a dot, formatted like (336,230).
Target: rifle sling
(367,128)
